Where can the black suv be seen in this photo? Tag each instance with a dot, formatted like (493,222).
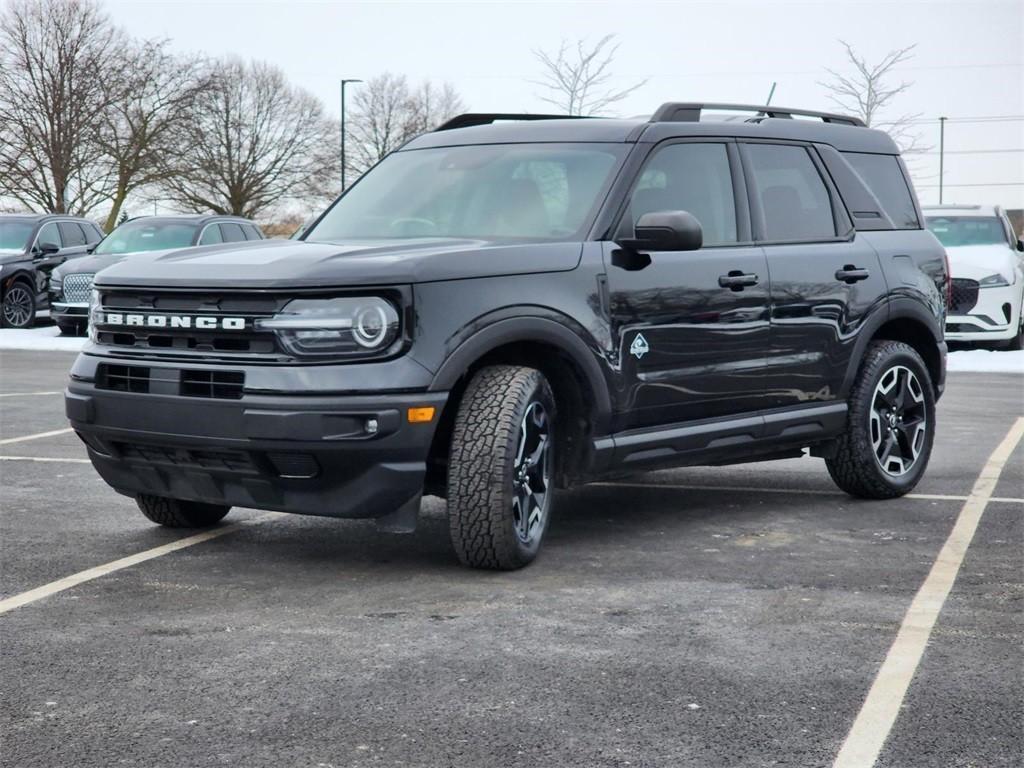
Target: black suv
(71,284)
(31,246)
(510,304)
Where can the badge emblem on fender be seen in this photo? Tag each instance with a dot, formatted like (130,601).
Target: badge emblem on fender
(639,347)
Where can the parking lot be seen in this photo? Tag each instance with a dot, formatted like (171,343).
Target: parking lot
(733,616)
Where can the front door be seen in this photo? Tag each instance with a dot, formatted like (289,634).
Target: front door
(689,329)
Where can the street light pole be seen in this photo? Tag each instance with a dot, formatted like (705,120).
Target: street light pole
(942,153)
(343,84)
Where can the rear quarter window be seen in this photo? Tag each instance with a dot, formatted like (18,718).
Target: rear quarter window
(884,177)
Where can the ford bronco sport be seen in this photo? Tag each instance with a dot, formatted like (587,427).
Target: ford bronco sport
(514,303)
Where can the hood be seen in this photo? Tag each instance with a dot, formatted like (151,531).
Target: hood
(978,261)
(93,263)
(300,264)
(9,255)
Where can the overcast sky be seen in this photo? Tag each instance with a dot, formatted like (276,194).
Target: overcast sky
(969,60)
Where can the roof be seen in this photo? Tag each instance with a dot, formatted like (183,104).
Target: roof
(981,211)
(190,218)
(846,134)
(40,216)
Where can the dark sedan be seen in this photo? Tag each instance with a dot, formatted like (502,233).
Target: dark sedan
(71,284)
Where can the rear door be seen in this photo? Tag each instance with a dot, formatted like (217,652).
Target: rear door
(691,328)
(824,280)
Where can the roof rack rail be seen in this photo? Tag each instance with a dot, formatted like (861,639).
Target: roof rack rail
(486,118)
(688,112)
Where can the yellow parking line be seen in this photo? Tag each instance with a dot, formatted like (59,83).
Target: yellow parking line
(46,590)
(882,705)
(9,440)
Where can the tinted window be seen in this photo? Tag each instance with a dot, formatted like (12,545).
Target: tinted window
(535,191)
(793,196)
(147,235)
(251,233)
(211,235)
(232,233)
(693,178)
(884,177)
(71,234)
(14,235)
(953,231)
(48,234)
(92,234)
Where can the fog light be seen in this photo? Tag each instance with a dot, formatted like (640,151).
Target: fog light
(421,415)
(371,426)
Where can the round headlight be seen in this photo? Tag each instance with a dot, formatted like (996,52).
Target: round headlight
(371,326)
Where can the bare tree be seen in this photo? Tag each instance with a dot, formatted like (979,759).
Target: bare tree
(576,77)
(869,92)
(142,132)
(253,142)
(388,112)
(58,72)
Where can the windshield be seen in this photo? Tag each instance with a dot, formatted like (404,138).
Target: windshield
(14,235)
(522,191)
(967,230)
(133,236)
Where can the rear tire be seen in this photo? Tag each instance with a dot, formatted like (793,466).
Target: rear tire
(18,308)
(501,468)
(176,513)
(890,425)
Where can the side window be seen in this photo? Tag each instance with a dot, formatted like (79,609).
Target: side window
(48,234)
(794,198)
(232,233)
(884,177)
(71,234)
(211,235)
(92,234)
(690,177)
(251,233)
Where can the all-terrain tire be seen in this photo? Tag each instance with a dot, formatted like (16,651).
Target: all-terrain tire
(854,467)
(176,513)
(485,442)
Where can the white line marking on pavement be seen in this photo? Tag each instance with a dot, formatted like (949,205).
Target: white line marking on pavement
(46,590)
(9,440)
(882,705)
(44,459)
(799,491)
(28,394)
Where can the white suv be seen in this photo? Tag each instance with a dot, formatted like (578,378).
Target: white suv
(986,262)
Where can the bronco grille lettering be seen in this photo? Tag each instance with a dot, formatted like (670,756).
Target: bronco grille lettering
(200,322)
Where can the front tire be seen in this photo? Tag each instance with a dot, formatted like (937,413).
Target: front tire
(890,425)
(18,309)
(70,329)
(501,468)
(176,513)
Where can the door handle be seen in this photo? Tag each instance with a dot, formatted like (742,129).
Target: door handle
(737,280)
(850,274)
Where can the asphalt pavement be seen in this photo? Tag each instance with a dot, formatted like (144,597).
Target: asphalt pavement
(706,617)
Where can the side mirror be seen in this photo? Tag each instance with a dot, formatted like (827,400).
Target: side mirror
(665,231)
(47,249)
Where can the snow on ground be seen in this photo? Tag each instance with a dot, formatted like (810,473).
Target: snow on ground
(42,338)
(48,338)
(983,360)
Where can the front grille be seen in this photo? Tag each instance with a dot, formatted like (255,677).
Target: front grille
(217,343)
(187,458)
(76,287)
(221,385)
(964,296)
(123,378)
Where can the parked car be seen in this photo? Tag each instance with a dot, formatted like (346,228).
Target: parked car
(986,260)
(31,246)
(72,283)
(511,304)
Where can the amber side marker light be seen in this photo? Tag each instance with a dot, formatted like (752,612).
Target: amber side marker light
(421,415)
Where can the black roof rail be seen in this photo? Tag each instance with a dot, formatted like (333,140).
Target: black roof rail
(689,112)
(486,118)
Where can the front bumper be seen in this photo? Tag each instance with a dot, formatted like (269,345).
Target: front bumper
(66,311)
(309,454)
(994,317)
